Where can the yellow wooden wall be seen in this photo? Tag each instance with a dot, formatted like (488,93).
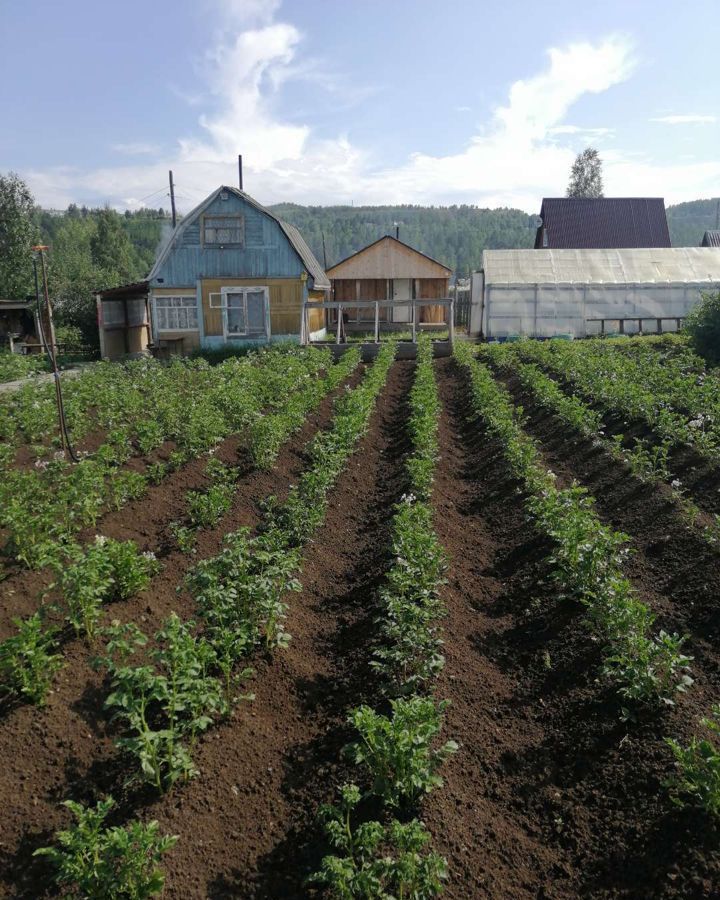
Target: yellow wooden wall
(285,302)
(316,317)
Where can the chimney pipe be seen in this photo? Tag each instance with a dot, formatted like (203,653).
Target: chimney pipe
(240,171)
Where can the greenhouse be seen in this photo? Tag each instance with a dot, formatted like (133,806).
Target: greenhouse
(575,293)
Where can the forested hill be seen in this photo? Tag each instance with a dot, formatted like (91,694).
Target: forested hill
(689,221)
(454,235)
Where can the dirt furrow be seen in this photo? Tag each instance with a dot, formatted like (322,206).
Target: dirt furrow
(72,753)
(606,777)
(491,816)
(672,566)
(250,816)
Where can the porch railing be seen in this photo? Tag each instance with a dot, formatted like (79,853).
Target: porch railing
(376,305)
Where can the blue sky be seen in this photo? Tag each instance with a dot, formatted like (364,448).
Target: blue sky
(340,101)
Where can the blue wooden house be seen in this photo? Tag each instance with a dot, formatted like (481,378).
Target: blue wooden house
(233,273)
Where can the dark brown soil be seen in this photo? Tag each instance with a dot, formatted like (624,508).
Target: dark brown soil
(146,520)
(266,773)
(550,795)
(72,753)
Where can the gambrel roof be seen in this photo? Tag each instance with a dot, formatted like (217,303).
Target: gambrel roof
(298,243)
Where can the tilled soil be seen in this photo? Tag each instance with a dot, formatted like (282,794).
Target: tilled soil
(72,747)
(551,795)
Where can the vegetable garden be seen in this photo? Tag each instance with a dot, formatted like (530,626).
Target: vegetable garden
(296,627)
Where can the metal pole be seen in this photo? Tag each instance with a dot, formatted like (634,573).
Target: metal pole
(377,322)
(414,337)
(452,323)
(240,178)
(339,322)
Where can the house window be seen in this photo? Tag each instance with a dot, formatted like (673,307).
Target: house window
(223,231)
(244,311)
(176,313)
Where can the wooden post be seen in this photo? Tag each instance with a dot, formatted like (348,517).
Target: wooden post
(414,337)
(452,323)
(377,322)
(302,324)
(339,323)
(640,326)
(126,329)
(622,326)
(659,326)
(172,199)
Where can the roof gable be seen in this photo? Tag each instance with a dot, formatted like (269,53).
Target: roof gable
(389,257)
(575,223)
(227,199)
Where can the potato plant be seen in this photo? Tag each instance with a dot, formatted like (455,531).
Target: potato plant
(697,777)
(588,556)
(165,703)
(194,404)
(28,661)
(94,861)
(374,860)
(397,750)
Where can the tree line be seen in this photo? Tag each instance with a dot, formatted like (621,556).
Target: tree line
(95,248)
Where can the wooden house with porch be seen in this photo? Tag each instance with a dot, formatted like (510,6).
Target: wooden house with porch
(231,274)
(389,270)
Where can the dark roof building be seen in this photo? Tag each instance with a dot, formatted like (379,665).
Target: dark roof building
(603,223)
(711,239)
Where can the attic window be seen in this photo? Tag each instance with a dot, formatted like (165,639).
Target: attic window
(224,231)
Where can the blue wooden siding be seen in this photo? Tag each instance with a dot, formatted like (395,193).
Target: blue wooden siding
(267,252)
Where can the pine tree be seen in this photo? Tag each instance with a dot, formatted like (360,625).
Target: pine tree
(586,175)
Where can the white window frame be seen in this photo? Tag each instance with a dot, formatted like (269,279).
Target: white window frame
(190,304)
(244,289)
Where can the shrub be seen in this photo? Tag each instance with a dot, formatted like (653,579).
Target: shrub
(702,325)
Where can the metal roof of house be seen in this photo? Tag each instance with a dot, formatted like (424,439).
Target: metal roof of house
(124,291)
(315,270)
(572,223)
(663,265)
(711,239)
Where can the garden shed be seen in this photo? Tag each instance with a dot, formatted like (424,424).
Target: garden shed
(546,293)
(389,270)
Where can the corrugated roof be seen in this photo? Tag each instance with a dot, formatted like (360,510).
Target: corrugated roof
(662,265)
(315,270)
(711,239)
(571,223)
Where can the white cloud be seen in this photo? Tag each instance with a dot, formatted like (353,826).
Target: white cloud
(516,158)
(136,148)
(580,130)
(689,119)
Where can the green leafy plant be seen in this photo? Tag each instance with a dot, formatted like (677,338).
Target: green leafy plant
(165,704)
(27,661)
(397,750)
(372,860)
(97,862)
(702,325)
(698,768)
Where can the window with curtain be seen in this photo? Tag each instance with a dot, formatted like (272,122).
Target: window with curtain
(176,313)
